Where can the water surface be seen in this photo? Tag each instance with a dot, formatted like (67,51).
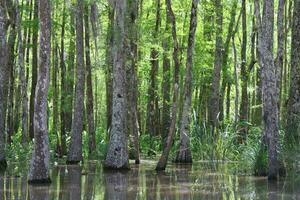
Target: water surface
(201,180)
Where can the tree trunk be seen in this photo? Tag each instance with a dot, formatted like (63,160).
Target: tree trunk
(215,88)
(269,88)
(89,85)
(75,149)
(152,105)
(244,78)
(64,102)
(184,154)
(22,77)
(34,70)
(39,170)
(293,107)
(117,155)
(166,85)
(132,82)
(162,163)
(4,71)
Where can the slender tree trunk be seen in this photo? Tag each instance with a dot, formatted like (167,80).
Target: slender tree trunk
(215,88)
(34,69)
(109,67)
(162,163)
(39,170)
(131,73)
(89,85)
(117,155)
(166,85)
(236,84)
(75,149)
(22,77)
(244,78)
(293,107)
(152,105)
(4,71)
(63,103)
(184,155)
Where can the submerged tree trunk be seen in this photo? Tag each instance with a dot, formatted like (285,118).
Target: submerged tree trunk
(75,149)
(215,93)
(4,71)
(184,154)
(293,108)
(162,163)
(117,155)
(39,170)
(89,85)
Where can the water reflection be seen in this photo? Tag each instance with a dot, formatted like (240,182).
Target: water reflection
(180,182)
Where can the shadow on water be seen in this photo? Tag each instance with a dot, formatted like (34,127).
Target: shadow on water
(180,182)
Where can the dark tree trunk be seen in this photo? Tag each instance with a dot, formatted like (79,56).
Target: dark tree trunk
(184,155)
(132,82)
(244,78)
(64,102)
(117,155)
(166,85)
(4,71)
(75,149)
(162,163)
(89,85)
(293,108)
(215,88)
(39,170)
(152,105)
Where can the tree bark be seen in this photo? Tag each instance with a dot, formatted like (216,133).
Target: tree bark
(162,163)
(117,155)
(269,88)
(89,85)
(34,70)
(39,170)
(75,149)
(293,107)
(184,155)
(215,88)
(4,71)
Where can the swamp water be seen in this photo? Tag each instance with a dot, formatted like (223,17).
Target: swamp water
(202,180)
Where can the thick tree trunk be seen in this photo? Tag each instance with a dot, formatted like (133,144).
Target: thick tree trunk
(34,70)
(269,88)
(184,155)
(117,155)
(75,149)
(89,85)
(39,170)
(162,163)
(293,108)
(215,88)
(4,71)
